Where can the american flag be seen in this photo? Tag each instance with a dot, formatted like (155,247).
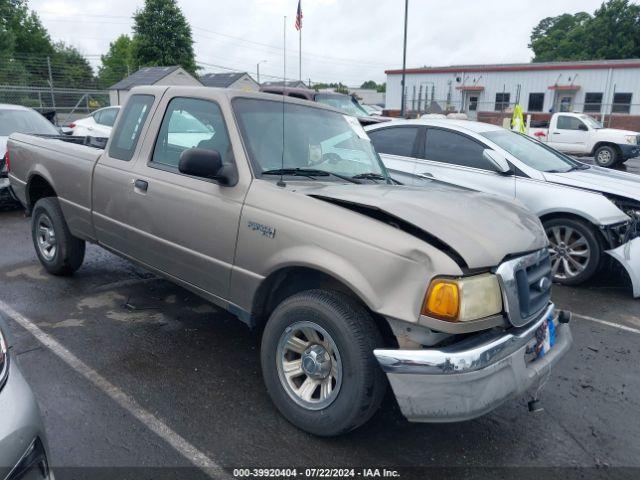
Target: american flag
(299,16)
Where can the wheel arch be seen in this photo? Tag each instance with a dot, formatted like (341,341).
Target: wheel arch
(289,280)
(577,217)
(38,187)
(604,143)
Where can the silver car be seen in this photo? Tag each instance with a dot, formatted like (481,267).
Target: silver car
(588,212)
(23,447)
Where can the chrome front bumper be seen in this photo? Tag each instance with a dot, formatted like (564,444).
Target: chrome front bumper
(628,255)
(472,377)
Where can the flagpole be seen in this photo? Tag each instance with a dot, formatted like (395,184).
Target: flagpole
(300,50)
(284,56)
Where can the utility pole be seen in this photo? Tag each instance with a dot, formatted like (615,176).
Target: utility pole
(404,58)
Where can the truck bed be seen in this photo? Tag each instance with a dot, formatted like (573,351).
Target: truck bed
(66,166)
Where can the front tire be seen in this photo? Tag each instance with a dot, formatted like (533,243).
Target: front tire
(318,364)
(575,250)
(59,252)
(606,156)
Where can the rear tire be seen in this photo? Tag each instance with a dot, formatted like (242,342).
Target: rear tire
(59,252)
(606,156)
(575,250)
(344,336)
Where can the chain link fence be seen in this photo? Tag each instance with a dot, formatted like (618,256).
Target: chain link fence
(61,89)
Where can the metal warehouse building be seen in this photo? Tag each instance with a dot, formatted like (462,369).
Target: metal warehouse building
(596,87)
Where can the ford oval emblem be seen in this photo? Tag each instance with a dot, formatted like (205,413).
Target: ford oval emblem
(544,284)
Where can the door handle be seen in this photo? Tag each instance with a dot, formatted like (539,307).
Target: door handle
(556,133)
(141,185)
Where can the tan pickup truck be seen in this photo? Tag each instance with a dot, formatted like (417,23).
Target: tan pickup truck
(280,211)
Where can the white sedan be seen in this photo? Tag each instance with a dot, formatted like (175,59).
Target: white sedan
(98,124)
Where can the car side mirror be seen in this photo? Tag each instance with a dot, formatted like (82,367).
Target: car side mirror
(498,161)
(203,163)
(583,127)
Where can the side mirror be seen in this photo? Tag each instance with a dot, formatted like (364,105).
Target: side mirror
(497,160)
(203,163)
(583,127)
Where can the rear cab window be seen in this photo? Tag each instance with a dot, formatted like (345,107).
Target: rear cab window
(127,133)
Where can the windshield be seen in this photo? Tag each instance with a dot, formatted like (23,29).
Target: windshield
(313,139)
(343,102)
(591,122)
(531,152)
(24,121)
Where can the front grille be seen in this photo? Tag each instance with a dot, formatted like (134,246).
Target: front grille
(526,286)
(534,286)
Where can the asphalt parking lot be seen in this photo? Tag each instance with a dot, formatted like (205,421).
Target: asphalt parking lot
(162,379)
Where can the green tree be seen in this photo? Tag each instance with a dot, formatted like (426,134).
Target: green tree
(612,32)
(117,63)
(382,88)
(162,36)
(370,85)
(72,70)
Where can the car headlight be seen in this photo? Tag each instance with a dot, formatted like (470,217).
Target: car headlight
(4,359)
(631,139)
(463,299)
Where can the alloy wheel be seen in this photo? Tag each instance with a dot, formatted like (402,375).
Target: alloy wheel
(46,237)
(569,250)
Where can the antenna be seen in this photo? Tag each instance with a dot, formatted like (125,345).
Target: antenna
(284,93)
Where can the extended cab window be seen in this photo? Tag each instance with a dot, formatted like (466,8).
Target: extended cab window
(450,147)
(395,141)
(191,123)
(127,133)
(565,122)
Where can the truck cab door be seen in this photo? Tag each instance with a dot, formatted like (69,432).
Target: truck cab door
(182,225)
(569,134)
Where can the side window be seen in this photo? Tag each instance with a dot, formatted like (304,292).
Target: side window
(191,123)
(107,117)
(395,140)
(97,116)
(566,122)
(126,135)
(450,147)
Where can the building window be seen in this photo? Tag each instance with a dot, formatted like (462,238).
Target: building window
(621,103)
(536,102)
(502,101)
(592,102)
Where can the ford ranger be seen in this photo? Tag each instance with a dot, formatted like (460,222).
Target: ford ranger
(280,211)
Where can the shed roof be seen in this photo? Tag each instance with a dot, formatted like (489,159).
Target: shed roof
(222,80)
(144,76)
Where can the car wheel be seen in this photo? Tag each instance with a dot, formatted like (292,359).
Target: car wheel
(575,250)
(606,156)
(318,364)
(59,252)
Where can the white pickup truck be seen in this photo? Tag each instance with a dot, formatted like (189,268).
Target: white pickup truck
(581,135)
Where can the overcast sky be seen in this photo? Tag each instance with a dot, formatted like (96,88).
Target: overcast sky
(343,40)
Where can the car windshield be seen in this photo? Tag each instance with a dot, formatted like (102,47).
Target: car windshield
(342,102)
(314,139)
(531,152)
(24,121)
(591,122)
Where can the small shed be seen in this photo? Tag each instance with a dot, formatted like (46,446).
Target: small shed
(289,84)
(175,75)
(239,81)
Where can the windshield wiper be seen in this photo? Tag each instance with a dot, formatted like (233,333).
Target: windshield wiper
(369,176)
(307,172)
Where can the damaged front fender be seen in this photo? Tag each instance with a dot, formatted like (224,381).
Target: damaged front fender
(628,255)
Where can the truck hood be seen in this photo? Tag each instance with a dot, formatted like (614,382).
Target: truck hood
(600,179)
(612,132)
(482,229)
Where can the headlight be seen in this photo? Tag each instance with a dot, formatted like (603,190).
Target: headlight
(631,139)
(4,359)
(463,299)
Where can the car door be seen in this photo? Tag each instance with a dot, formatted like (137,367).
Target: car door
(457,158)
(398,146)
(186,226)
(570,134)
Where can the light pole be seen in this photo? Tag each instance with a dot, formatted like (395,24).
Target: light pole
(258,69)
(404,58)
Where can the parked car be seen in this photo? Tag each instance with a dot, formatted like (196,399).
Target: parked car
(587,211)
(23,445)
(373,110)
(579,134)
(347,274)
(345,103)
(15,118)
(98,124)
